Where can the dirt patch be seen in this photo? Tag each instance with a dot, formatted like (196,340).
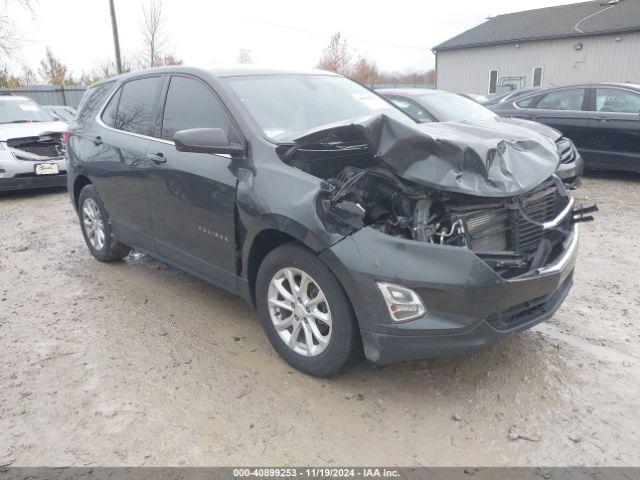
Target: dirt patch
(137,363)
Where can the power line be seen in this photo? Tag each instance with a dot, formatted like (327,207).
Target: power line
(325,34)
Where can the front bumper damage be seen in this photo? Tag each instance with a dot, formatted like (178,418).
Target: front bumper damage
(469,304)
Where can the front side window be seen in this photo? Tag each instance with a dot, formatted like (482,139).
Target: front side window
(285,106)
(563,100)
(191,104)
(617,101)
(135,106)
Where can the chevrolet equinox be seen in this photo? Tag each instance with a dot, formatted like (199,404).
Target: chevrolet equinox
(354,230)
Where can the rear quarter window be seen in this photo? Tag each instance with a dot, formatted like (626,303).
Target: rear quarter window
(92,100)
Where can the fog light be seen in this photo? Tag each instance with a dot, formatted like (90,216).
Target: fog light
(403,304)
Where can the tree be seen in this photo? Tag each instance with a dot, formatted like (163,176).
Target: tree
(28,76)
(153,33)
(336,56)
(7,80)
(54,71)
(245,56)
(9,38)
(365,71)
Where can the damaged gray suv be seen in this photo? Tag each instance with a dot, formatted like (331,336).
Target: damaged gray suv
(354,230)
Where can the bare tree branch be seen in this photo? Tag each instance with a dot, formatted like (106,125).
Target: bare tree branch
(153,33)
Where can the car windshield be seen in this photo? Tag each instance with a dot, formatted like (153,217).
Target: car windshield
(285,106)
(22,111)
(448,107)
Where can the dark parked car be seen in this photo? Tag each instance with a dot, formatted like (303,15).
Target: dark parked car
(603,119)
(353,229)
(425,105)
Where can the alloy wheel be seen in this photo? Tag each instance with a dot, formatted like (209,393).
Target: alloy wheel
(299,311)
(93,223)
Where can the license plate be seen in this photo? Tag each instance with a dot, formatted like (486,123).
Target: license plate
(47,169)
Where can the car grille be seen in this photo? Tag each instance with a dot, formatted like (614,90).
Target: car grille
(509,229)
(530,310)
(566,150)
(37,148)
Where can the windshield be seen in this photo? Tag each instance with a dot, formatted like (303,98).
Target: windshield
(448,107)
(22,111)
(287,105)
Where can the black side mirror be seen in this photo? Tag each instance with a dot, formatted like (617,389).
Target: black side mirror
(206,140)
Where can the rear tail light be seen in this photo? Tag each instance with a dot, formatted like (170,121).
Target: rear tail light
(65,136)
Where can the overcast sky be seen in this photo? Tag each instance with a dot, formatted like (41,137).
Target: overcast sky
(397,35)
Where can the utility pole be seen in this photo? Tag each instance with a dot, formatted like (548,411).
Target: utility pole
(116,42)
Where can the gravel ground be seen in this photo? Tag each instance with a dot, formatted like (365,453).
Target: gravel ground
(136,363)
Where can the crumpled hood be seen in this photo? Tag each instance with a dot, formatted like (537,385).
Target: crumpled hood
(34,129)
(469,158)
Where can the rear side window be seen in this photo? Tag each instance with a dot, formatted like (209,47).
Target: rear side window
(617,101)
(191,104)
(562,100)
(92,100)
(527,102)
(134,112)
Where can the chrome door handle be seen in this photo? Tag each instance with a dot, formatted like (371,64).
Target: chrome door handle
(157,158)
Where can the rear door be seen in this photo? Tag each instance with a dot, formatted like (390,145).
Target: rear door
(563,110)
(614,123)
(119,168)
(192,195)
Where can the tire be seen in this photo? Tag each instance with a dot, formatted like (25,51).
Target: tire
(91,212)
(321,359)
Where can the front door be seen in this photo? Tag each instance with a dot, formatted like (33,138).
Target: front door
(564,111)
(192,195)
(614,126)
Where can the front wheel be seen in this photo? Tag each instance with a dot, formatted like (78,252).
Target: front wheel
(305,312)
(97,228)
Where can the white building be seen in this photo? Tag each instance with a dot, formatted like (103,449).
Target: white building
(582,42)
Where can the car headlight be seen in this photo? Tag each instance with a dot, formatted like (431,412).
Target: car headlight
(403,303)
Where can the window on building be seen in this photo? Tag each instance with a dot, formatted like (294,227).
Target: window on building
(537,77)
(191,104)
(493,81)
(563,100)
(617,101)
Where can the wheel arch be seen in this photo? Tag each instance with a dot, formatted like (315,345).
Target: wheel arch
(79,183)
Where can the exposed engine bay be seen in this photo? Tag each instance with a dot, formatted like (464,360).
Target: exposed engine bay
(513,234)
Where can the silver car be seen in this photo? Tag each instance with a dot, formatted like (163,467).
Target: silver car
(32,150)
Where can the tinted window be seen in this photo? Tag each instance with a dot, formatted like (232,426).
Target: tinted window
(411,109)
(92,100)
(563,100)
(109,112)
(191,104)
(618,101)
(135,108)
(527,102)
